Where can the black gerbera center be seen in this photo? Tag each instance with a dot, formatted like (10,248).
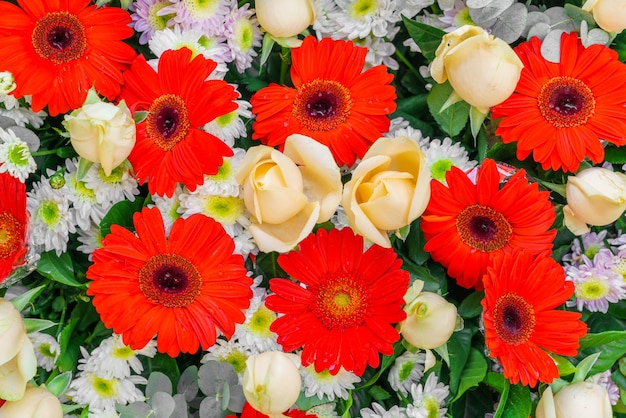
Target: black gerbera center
(170,280)
(322,105)
(59,37)
(483,228)
(566,102)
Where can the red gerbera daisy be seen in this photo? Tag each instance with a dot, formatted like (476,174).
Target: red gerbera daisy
(561,112)
(73,46)
(520,320)
(171,148)
(180,288)
(465,222)
(334,101)
(13,224)
(343,317)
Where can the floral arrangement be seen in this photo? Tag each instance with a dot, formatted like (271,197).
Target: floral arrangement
(312,208)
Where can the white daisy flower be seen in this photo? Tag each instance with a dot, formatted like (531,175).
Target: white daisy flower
(407,370)
(83,198)
(52,219)
(325,384)
(118,186)
(206,16)
(442,155)
(243,35)
(223,183)
(409,132)
(244,243)
(379,51)
(325,24)
(255,332)
(7,85)
(377,411)
(90,239)
(326,410)
(231,126)
(360,18)
(428,399)
(47,349)
(102,393)
(15,156)
(113,358)
(169,207)
(231,352)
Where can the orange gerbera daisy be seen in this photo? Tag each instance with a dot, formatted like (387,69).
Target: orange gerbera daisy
(561,112)
(333,100)
(343,315)
(179,288)
(520,321)
(58,50)
(465,222)
(171,147)
(13,224)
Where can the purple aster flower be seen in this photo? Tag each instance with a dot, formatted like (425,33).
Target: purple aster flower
(202,15)
(591,244)
(147,17)
(604,379)
(243,35)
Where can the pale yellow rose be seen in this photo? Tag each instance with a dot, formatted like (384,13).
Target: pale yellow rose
(18,363)
(430,319)
(610,15)
(595,196)
(284,19)
(482,70)
(388,190)
(272,382)
(102,132)
(288,193)
(578,400)
(36,403)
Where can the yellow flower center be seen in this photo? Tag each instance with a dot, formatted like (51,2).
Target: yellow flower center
(260,322)
(341,303)
(592,289)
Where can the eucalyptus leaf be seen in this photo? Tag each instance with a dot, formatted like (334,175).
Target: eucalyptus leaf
(162,404)
(210,407)
(180,409)
(551,46)
(579,15)
(477,4)
(212,373)
(134,410)
(59,384)
(559,19)
(533,18)
(490,11)
(188,383)
(237,399)
(510,24)
(20,302)
(158,382)
(539,30)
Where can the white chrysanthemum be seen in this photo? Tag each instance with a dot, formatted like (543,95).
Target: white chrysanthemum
(231,352)
(47,349)
(90,239)
(52,219)
(326,410)
(116,187)
(442,155)
(203,15)
(409,132)
(410,8)
(23,115)
(255,332)
(428,399)
(406,370)
(325,384)
(83,198)
(223,183)
(379,51)
(325,25)
(360,18)
(102,393)
(214,48)
(340,218)
(230,126)
(243,35)
(169,207)
(377,411)
(15,157)
(244,243)
(7,85)
(113,358)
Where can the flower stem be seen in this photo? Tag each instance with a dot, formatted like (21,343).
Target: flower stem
(285,60)
(408,64)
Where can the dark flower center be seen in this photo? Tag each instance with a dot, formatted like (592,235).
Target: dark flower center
(322,105)
(59,37)
(341,303)
(566,102)
(514,319)
(167,123)
(482,228)
(10,235)
(170,280)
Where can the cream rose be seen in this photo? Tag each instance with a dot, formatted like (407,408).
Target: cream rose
(284,19)
(595,196)
(610,15)
(18,363)
(36,403)
(102,132)
(430,319)
(482,70)
(272,382)
(388,190)
(288,193)
(578,400)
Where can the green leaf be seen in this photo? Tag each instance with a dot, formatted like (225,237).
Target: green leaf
(458,350)
(58,268)
(59,384)
(564,365)
(474,372)
(120,214)
(425,36)
(518,404)
(582,369)
(20,302)
(471,306)
(35,324)
(266,49)
(615,155)
(453,119)
(378,393)
(414,244)
(83,167)
(69,347)
(610,344)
